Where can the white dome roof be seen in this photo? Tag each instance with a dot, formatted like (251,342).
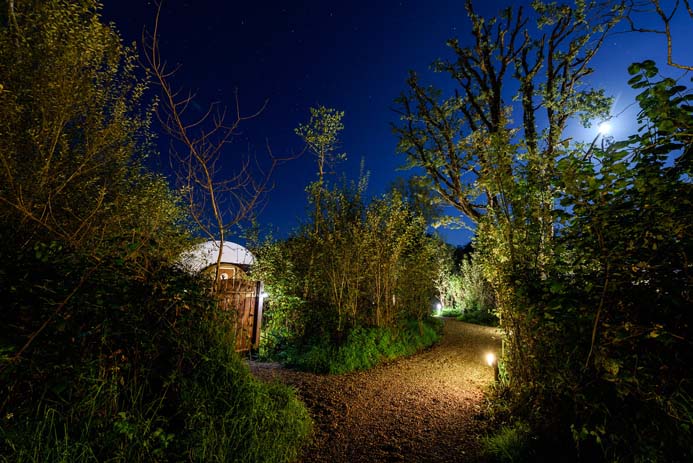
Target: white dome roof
(205,255)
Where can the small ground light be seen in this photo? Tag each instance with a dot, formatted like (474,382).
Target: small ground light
(439,308)
(493,362)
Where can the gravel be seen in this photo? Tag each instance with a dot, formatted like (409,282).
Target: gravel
(423,408)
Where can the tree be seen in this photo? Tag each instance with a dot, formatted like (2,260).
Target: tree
(587,247)
(637,8)
(626,245)
(73,143)
(217,198)
(321,136)
(498,172)
(108,350)
(416,191)
(72,147)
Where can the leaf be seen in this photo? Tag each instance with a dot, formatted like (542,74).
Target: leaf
(634,69)
(611,366)
(634,80)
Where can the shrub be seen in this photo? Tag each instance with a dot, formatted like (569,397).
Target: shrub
(477,295)
(509,444)
(365,347)
(230,416)
(137,368)
(478,317)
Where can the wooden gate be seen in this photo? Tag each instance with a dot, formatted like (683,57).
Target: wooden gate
(242,296)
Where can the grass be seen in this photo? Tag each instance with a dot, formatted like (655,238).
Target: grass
(223,414)
(510,444)
(146,384)
(365,348)
(450,312)
(478,317)
(242,419)
(473,315)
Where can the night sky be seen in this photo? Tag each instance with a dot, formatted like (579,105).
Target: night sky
(353,56)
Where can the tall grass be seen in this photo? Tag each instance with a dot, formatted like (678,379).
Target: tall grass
(221,414)
(155,378)
(364,348)
(509,444)
(230,416)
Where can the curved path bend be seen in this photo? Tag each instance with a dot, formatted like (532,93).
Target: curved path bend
(423,408)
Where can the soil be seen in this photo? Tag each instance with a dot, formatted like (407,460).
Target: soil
(424,408)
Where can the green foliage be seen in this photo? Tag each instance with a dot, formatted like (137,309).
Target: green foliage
(137,370)
(629,282)
(450,312)
(417,193)
(365,348)
(230,416)
(321,135)
(464,291)
(108,351)
(603,326)
(74,133)
(509,444)
(478,317)
(477,295)
(340,293)
(370,265)
(587,249)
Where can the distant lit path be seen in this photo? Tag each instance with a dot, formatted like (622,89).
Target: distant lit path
(423,408)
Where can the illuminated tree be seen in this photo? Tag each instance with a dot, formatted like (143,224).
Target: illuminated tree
(491,149)
(98,325)
(73,135)
(321,135)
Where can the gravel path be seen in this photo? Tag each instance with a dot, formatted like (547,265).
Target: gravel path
(424,408)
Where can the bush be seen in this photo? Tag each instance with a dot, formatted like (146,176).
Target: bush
(509,444)
(365,348)
(135,368)
(108,352)
(450,312)
(478,317)
(477,295)
(230,416)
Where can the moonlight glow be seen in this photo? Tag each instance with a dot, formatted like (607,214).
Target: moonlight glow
(605,128)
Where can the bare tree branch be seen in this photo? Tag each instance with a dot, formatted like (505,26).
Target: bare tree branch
(636,8)
(217,200)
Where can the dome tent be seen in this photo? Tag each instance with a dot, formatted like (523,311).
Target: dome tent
(204,255)
(237,292)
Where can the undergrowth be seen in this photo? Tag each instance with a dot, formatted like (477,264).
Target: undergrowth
(450,312)
(138,370)
(364,348)
(478,317)
(509,444)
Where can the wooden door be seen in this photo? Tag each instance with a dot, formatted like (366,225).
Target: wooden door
(240,295)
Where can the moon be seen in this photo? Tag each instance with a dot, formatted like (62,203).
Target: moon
(605,128)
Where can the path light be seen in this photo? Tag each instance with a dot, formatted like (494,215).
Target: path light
(439,308)
(493,362)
